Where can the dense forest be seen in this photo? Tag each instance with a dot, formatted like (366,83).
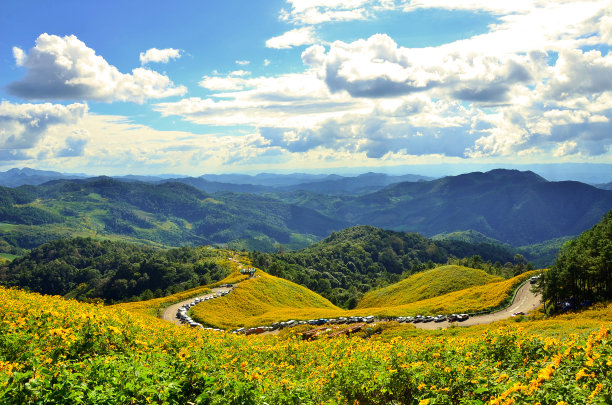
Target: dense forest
(351,262)
(88,269)
(582,272)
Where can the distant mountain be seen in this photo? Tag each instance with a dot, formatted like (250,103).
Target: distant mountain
(268,179)
(604,186)
(514,207)
(210,186)
(18,177)
(269,183)
(168,214)
(362,184)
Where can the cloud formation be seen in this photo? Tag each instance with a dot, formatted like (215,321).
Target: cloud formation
(22,126)
(64,68)
(159,55)
(290,39)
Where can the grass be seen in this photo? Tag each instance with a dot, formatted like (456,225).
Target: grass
(266,299)
(428,284)
(61,351)
(262,300)
(474,299)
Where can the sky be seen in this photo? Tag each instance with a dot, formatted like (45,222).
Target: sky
(207,86)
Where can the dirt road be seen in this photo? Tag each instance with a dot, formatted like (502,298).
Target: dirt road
(524,301)
(170,312)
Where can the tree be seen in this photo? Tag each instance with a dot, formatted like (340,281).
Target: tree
(583,269)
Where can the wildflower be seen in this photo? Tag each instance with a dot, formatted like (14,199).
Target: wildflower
(580,374)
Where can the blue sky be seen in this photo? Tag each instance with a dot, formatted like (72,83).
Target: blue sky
(197,87)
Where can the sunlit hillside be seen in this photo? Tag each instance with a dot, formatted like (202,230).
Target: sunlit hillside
(58,351)
(474,299)
(428,284)
(262,300)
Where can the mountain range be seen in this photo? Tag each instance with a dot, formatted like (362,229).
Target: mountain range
(510,206)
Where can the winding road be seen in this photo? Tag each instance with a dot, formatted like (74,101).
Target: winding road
(170,312)
(524,301)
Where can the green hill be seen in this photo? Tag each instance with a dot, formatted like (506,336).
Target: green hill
(353,261)
(427,284)
(262,300)
(85,268)
(170,214)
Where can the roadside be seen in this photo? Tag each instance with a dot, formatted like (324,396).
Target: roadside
(169,313)
(524,301)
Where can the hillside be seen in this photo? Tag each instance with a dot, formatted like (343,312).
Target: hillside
(514,207)
(353,261)
(55,351)
(263,300)
(88,269)
(428,284)
(478,298)
(171,214)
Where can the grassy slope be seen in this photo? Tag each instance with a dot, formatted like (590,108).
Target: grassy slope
(262,300)
(473,299)
(267,299)
(427,284)
(58,351)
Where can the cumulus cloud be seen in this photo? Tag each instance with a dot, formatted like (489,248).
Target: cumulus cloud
(75,146)
(159,55)
(530,85)
(22,126)
(378,67)
(295,37)
(64,68)
(243,62)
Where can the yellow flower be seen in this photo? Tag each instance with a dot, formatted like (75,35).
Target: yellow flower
(580,374)
(424,402)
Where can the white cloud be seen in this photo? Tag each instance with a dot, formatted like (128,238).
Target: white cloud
(64,68)
(159,55)
(243,62)
(566,148)
(321,11)
(295,37)
(22,126)
(301,99)
(378,67)
(266,62)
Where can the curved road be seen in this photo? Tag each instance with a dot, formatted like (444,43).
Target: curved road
(524,301)
(170,312)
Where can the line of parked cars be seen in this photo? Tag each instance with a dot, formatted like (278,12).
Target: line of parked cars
(182,316)
(349,320)
(314,322)
(437,318)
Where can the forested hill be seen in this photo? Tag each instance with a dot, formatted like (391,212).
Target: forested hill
(169,214)
(353,261)
(514,207)
(85,268)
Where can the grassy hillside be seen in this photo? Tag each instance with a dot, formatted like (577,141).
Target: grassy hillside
(58,351)
(474,299)
(263,300)
(428,284)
